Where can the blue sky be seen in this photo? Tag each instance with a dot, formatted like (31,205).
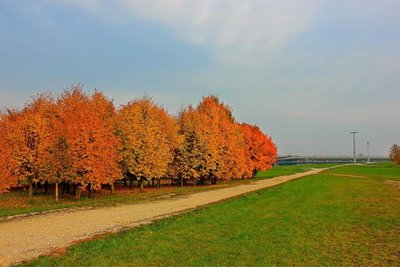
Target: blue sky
(307,72)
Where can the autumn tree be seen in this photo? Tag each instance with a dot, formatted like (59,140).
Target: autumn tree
(260,151)
(79,139)
(7,162)
(394,154)
(43,115)
(6,178)
(28,137)
(89,139)
(191,156)
(224,140)
(149,138)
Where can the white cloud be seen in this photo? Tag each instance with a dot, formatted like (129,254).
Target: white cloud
(236,31)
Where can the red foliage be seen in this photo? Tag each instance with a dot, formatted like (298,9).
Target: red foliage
(260,151)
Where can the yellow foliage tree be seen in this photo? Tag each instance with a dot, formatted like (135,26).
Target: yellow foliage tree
(224,140)
(149,138)
(191,156)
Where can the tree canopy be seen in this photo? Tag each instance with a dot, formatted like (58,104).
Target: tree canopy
(394,154)
(81,139)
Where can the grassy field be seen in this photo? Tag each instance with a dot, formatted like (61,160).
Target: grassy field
(328,219)
(18,202)
(289,169)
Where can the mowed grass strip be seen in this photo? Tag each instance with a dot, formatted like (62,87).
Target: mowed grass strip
(378,171)
(290,169)
(18,202)
(317,220)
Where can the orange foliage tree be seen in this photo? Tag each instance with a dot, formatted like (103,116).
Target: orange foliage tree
(224,146)
(260,151)
(7,164)
(149,138)
(79,139)
(29,135)
(89,137)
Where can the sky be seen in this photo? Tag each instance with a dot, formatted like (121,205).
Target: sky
(306,72)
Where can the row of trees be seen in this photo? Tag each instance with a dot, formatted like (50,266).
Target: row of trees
(394,154)
(81,139)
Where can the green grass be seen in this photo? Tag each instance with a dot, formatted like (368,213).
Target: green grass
(18,202)
(318,220)
(290,169)
(387,170)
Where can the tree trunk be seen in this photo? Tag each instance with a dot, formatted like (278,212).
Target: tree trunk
(30,190)
(172,181)
(214,180)
(148,183)
(158,183)
(125,182)
(152,182)
(112,189)
(130,183)
(77,192)
(141,185)
(56,191)
(181,182)
(37,187)
(90,189)
(64,185)
(46,185)
(194,182)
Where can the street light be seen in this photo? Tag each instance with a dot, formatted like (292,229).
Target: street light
(354,146)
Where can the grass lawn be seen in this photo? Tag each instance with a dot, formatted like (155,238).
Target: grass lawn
(289,169)
(18,202)
(385,170)
(324,219)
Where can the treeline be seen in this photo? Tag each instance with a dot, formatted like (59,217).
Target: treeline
(81,140)
(394,154)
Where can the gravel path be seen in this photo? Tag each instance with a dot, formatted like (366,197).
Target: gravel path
(26,238)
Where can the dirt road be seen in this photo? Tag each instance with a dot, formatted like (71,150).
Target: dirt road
(25,238)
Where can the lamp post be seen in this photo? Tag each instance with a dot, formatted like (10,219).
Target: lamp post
(354,146)
(368,159)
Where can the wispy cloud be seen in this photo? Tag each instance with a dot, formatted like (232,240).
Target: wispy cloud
(235,31)
(306,69)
